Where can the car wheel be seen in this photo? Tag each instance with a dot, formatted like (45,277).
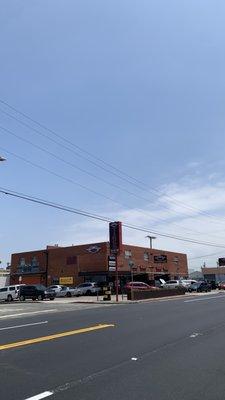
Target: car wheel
(40,297)
(22,298)
(88,293)
(52,298)
(68,294)
(9,297)
(33,298)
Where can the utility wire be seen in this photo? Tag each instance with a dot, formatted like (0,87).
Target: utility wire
(205,255)
(82,186)
(102,218)
(152,190)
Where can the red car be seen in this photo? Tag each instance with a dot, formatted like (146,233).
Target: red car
(221,285)
(139,286)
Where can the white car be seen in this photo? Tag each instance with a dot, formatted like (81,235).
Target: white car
(9,293)
(172,284)
(88,288)
(64,291)
(186,283)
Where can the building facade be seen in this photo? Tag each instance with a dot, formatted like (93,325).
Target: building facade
(75,264)
(214,274)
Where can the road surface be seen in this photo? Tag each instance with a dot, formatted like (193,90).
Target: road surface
(161,350)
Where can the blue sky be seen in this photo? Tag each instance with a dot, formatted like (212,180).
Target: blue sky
(139,84)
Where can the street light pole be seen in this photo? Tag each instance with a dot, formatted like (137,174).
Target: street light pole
(2,159)
(151,238)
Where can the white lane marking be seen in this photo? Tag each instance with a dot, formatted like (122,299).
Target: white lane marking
(28,313)
(134,358)
(22,326)
(195,334)
(204,298)
(10,309)
(40,396)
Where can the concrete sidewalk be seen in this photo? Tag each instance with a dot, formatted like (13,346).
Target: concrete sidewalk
(123,298)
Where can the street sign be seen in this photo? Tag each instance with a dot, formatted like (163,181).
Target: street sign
(115,237)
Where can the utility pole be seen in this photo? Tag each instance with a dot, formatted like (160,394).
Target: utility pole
(151,238)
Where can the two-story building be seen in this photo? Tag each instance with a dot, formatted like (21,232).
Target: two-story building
(89,262)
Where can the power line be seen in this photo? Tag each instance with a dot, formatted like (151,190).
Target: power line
(205,255)
(102,218)
(76,183)
(134,181)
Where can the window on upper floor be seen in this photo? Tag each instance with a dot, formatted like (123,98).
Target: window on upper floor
(146,256)
(127,254)
(71,260)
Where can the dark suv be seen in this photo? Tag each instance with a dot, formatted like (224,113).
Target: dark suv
(200,287)
(36,292)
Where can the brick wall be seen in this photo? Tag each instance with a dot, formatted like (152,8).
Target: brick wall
(69,261)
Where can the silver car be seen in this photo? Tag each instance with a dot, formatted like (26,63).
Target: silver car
(88,288)
(65,291)
(172,284)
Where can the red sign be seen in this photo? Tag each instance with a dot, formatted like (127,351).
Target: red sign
(115,237)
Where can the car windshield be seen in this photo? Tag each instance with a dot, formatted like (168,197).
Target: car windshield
(40,287)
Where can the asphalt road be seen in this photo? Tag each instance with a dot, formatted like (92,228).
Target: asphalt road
(161,350)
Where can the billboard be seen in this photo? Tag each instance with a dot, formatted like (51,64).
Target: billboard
(115,237)
(221,262)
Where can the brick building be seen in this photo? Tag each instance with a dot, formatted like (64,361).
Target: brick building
(75,264)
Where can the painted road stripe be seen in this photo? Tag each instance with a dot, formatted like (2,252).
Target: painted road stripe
(22,326)
(204,298)
(28,313)
(40,396)
(55,336)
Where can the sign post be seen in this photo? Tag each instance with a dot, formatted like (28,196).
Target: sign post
(131,265)
(115,243)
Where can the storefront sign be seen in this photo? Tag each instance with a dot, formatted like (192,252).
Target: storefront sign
(94,249)
(111,263)
(115,237)
(66,280)
(160,259)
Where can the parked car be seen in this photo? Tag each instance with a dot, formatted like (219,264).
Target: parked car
(139,286)
(221,285)
(172,284)
(88,288)
(64,291)
(186,283)
(10,293)
(200,287)
(35,292)
(160,282)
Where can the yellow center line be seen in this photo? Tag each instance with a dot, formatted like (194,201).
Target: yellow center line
(55,336)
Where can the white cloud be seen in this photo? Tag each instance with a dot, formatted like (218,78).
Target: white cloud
(168,217)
